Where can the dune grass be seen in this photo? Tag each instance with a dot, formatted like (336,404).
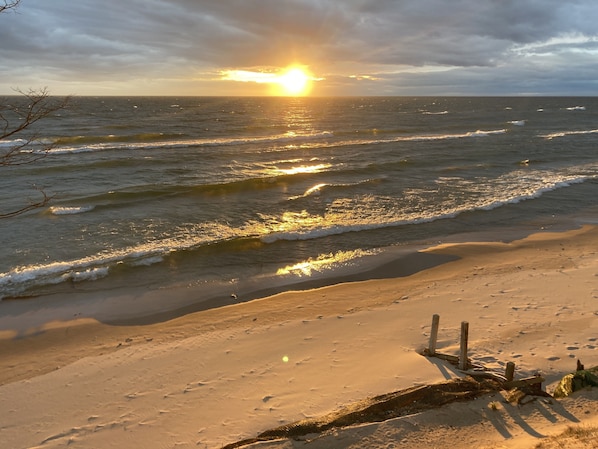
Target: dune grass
(578,437)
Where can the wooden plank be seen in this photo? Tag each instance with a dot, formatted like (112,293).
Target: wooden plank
(535,380)
(449,358)
(485,375)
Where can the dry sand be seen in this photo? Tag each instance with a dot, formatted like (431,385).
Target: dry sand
(217,376)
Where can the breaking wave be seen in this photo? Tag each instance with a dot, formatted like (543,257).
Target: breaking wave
(73,210)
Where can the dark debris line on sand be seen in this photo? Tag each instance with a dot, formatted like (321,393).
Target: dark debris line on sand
(382,408)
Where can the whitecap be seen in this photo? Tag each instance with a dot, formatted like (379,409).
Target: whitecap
(482,133)
(91,274)
(315,190)
(286,138)
(72,210)
(147,261)
(569,133)
(12,143)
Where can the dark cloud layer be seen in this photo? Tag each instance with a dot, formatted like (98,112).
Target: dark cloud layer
(395,47)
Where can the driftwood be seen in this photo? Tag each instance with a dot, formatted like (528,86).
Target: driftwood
(403,403)
(524,383)
(448,357)
(381,408)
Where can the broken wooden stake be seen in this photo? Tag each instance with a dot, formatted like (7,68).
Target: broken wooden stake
(433,335)
(530,386)
(510,372)
(463,352)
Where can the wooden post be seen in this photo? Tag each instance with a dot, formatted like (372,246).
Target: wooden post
(463,353)
(433,335)
(510,372)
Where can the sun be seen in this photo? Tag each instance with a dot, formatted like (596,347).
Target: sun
(294,81)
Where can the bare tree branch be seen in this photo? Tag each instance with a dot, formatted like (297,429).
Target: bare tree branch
(32,205)
(16,118)
(9,5)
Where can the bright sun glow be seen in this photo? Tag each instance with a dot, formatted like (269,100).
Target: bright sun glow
(293,81)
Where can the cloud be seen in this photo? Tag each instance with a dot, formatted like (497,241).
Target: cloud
(395,47)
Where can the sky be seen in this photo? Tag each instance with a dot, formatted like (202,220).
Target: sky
(344,47)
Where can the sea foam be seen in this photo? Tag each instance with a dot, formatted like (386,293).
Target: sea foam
(568,133)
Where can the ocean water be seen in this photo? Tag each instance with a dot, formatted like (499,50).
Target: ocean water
(217,193)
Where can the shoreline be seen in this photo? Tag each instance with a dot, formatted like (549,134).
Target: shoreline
(138,306)
(99,310)
(532,301)
(142,305)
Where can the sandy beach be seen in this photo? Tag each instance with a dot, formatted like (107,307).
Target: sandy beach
(210,378)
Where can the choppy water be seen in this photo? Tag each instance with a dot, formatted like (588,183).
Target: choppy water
(213,191)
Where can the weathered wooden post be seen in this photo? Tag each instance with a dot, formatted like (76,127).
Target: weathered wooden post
(433,335)
(463,353)
(510,371)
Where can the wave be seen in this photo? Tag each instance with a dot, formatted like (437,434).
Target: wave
(91,274)
(435,113)
(100,265)
(345,216)
(317,189)
(8,143)
(264,177)
(149,192)
(69,210)
(576,108)
(477,133)
(405,138)
(425,137)
(568,133)
(517,122)
(93,267)
(537,191)
(212,237)
(142,137)
(270,179)
(185,143)
(290,141)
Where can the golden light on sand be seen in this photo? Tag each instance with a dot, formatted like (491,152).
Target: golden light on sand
(292,81)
